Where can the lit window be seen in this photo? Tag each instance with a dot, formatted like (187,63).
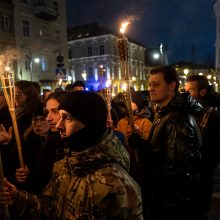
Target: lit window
(44,64)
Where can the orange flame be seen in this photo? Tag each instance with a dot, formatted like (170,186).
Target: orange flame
(124,25)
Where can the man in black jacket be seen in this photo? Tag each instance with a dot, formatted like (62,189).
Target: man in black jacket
(173,166)
(209,125)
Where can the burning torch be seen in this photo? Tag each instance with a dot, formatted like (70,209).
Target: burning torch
(123,54)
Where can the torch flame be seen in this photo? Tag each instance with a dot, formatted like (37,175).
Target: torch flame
(124,25)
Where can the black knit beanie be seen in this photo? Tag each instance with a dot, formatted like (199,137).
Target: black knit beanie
(87,107)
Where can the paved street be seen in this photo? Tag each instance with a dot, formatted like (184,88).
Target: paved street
(215,210)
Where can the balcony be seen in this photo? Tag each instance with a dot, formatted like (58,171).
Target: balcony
(45,12)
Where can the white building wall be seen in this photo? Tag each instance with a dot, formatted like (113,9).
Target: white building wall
(47,37)
(109,60)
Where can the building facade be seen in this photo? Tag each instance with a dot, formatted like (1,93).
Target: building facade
(39,35)
(94,59)
(216,8)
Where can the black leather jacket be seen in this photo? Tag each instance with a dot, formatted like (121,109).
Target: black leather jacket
(175,136)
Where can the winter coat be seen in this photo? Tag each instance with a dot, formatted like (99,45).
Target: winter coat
(174,159)
(89,184)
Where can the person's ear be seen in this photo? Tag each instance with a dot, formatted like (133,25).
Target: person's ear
(172,86)
(203,92)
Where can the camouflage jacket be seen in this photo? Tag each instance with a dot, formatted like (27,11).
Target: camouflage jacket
(91,184)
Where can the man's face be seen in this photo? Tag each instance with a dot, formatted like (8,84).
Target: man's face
(160,92)
(53,115)
(192,88)
(68,125)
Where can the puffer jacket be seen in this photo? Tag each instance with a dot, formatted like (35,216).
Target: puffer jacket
(89,184)
(174,157)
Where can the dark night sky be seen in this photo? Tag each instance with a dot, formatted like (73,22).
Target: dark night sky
(179,24)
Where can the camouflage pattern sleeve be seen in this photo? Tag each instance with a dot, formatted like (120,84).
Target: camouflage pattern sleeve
(123,203)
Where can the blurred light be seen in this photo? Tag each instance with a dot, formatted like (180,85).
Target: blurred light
(133,78)
(209,76)
(108,83)
(69,78)
(84,76)
(201,74)
(186,71)
(60,81)
(156,56)
(124,86)
(7,68)
(37,60)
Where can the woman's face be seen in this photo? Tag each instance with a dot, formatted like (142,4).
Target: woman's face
(20,97)
(40,125)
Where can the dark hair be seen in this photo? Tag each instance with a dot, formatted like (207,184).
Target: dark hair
(69,87)
(36,86)
(169,73)
(33,98)
(202,81)
(79,83)
(59,96)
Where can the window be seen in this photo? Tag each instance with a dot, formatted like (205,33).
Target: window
(5,24)
(101,50)
(44,64)
(91,75)
(89,51)
(42,30)
(40,2)
(70,54)
(25,2)
(28,64)
(56,7)
(26,28)
(57,34)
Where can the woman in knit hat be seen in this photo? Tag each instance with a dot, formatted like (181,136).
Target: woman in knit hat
(92,180)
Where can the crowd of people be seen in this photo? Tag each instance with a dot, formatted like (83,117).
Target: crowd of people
(154,158)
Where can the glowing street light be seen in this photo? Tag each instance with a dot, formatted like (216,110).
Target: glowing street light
(156,56)
(186,71)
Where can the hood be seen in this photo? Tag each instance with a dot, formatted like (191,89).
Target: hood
(183,102)
(108,150)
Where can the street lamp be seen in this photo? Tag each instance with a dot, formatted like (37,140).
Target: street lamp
(156,56)
(186,71)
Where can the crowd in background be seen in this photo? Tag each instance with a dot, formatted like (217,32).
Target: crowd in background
(88,158)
